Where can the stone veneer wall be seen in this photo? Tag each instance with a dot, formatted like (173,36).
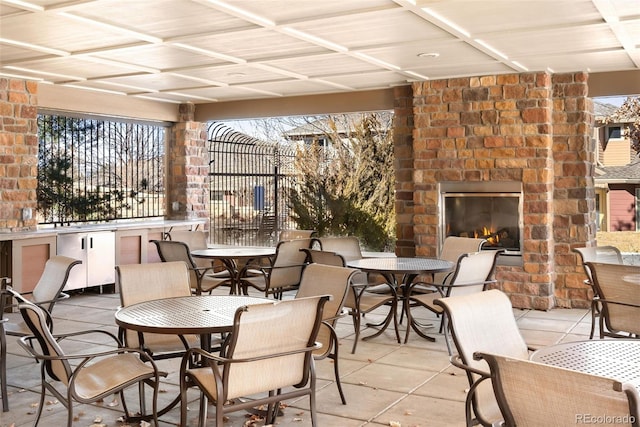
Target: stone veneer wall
(531,128)
(18,153)
(187,168)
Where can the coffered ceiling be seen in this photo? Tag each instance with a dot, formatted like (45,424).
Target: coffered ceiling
(207,51)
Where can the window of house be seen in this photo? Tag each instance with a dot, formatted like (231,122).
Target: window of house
(99,170)
(614,132)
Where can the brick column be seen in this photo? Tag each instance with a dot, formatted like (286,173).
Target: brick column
(187,168)
(575,211)
(18,154)
(403,165)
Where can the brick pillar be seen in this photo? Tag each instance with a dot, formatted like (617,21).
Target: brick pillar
(575,211)
(403,165)
(18,154)
(187,168)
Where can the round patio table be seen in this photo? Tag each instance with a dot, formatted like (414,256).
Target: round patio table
(235,259)
(617,359)
(409,268)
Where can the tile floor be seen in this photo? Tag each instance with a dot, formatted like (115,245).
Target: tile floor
(412,384)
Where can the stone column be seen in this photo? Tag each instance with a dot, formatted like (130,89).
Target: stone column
(187,168)
(18,154)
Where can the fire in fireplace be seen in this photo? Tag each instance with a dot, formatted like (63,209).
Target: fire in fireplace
(489,210)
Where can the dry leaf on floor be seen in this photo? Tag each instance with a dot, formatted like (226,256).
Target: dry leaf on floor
(394,424)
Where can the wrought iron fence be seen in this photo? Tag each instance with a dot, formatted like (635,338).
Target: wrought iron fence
(249,181)
(98,170)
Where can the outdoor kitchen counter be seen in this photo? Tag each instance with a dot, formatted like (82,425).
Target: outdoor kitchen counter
(51,231)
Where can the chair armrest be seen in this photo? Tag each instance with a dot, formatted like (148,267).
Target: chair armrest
(221,359)
(458,363)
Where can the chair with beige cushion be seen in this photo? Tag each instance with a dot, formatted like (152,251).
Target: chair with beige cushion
(482,322)
(295,234)
(84,377)
(359,300)
(198,239)
(322,279)
(46,293)
(203,279)
(284,271)
(269,357)
(452,248)
(606,254)
(146,282)
(618,287)
(472,274)
(535,394)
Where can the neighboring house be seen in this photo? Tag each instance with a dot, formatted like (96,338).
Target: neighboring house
(617,178)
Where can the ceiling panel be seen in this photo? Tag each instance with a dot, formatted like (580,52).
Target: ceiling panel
(200,50)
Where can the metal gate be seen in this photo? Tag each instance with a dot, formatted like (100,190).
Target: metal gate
(249,182)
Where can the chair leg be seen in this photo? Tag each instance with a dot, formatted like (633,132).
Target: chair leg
(3,369)
(336,370)
(355,314)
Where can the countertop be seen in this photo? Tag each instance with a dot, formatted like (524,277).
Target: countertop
(48,230)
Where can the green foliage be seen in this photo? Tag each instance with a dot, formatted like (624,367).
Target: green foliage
(347,187)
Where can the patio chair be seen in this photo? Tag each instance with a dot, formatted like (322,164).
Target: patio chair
(359,301)
(317,280)
(198,239)
(145,282)
(269,356)
(606,254)
(203,279)
(85,377)
(482,322)
(283,272)
(535,394)
(295,234)
(618,287)
(452,248)
(472,274)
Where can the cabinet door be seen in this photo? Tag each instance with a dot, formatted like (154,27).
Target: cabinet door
(101,258)
(73,245)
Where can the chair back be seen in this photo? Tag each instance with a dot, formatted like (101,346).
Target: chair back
(325,257)
(39,323)
(194,240)
(346,246)
(289,261)
(146,282)
(473,272)
(452,248)
(53,280)
(173,250)
(618,286)
(483,322)
(276,341)
(318,280)
(295,234)
(535,394)
(603,254)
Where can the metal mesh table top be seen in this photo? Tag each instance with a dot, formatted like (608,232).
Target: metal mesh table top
(616,359)
(402,265)
(185,315)
(235,252)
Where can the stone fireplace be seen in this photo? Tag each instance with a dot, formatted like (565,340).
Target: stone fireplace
(486,210)
(532,129)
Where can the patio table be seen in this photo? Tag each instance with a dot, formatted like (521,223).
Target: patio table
(617,359)
(235,259)
(409,268)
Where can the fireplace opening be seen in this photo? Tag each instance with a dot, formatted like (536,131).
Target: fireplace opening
(492,211)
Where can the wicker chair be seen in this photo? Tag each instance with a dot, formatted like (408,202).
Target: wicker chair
(606,254)
(269,356)
(472,274)
(535,394)
(88,377)
(284,271)
(319,279)
(618,287)
(482,322)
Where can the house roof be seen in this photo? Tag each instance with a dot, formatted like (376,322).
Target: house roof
(208,51)
(628,174)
